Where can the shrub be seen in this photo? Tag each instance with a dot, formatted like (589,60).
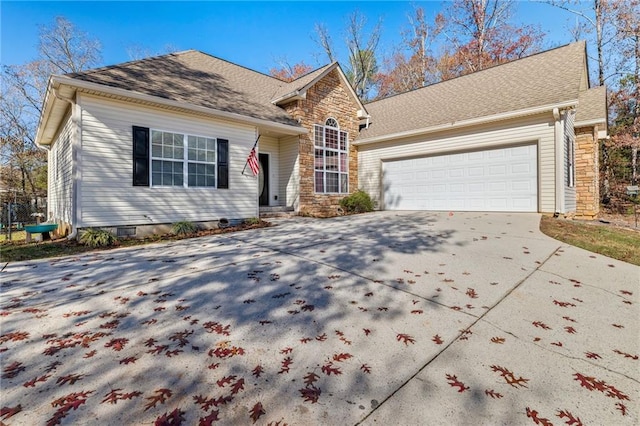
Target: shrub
(252,221)
(358,202)
(184,227)
(94,237)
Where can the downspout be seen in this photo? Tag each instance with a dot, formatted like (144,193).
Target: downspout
(74,186)
(559,162)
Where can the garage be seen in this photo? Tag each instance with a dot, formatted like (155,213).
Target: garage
(501,179)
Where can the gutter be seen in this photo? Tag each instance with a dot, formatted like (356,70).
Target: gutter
(465,123)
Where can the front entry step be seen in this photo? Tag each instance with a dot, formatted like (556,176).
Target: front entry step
(276,211)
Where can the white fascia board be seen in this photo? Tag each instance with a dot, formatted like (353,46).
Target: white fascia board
(284,128)
(465,123)
(589,123)
(292,96)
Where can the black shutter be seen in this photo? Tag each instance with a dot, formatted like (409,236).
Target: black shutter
(140,156)
(223,163)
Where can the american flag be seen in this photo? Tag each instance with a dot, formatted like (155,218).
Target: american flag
(253,162)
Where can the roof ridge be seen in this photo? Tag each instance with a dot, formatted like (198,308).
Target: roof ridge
(582,42)
(129,63)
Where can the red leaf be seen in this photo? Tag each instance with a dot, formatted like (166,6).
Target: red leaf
(541,325)
(256,412)
(31,383)
(310,378)
(626,355)
(128,360)
(161,396)
(563,304)
(286,350)
(12,370)
(405,338)
(341,357)
(321,337)
(257,371)
(225,381)
(176,417)
(115,395)
(498,340)
(237,386)
(365,368)
(7,412)
(571,420)
(533,415)
(310,394)
(69,378)
(15,336)
(116,344)
(472,293)
(366,331)
(592,355)
(619,406)
(208,421)
(509,377)
(492,394)
(591,383)
(329,369)
(305,340)
(454,382)
(570,330)
(285,365)
(437,339)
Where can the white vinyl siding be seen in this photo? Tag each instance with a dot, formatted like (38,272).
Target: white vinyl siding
(269,145)
(60,176)
(539,128)
(108,197)
(289,172)
(569,162)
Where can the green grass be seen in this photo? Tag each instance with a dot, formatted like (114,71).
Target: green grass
(15,236)
(618,243)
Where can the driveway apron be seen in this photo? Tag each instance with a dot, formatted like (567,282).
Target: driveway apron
(382,318)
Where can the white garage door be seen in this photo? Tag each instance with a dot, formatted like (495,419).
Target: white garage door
(502,179)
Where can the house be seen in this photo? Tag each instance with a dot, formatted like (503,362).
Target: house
(137,146)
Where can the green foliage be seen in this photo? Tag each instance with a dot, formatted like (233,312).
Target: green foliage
(184,227)
(94,237)
(358,202)
(252,221)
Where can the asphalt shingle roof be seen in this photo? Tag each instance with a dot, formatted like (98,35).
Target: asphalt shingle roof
(545,78)
(199,79)
(592,104)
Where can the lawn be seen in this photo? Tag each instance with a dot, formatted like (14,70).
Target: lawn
(618,243)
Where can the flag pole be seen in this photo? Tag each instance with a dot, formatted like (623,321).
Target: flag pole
(254,147)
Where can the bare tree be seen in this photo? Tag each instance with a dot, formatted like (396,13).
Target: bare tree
(482,34)
(362,64)
(62,49)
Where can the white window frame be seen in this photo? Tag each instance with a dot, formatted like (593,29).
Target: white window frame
(320,145)
(184,160)
(570,161)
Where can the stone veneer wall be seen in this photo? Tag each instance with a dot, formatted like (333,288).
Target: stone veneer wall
(327,98)
(587,185)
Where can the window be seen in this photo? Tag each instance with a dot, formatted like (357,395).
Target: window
(182,160)
(331,158)
(570,166)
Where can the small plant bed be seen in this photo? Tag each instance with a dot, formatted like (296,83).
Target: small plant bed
(14,251)
(614,242)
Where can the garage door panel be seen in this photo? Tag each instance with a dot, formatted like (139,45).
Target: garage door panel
(503,179)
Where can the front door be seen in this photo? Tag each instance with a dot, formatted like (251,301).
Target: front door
(263,178)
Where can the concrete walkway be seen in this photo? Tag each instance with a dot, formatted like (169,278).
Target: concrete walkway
(384,318)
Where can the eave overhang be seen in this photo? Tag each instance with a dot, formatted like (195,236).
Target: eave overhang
(54,107)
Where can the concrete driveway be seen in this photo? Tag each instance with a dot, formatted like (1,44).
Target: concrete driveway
(384,318)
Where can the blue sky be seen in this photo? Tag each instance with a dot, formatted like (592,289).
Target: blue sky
(253,34)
